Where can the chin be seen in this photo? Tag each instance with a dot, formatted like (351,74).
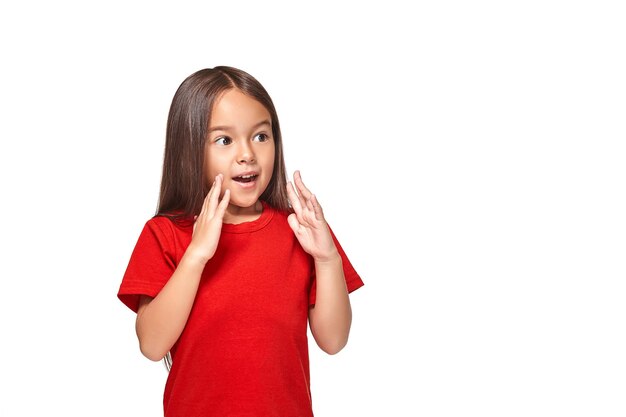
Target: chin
(243,202)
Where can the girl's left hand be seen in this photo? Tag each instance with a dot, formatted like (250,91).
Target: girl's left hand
(308,222)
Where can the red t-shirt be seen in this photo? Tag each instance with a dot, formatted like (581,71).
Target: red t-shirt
(244,349)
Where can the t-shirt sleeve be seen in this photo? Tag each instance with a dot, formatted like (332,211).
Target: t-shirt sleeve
(151,264)
(353,280)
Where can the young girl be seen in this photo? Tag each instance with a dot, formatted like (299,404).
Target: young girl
(235,261)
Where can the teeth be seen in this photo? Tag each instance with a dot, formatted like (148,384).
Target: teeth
(247,176)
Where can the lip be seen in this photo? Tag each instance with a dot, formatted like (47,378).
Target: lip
(246,173)
(246,185)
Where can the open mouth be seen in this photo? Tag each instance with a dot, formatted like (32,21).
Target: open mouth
(245,178)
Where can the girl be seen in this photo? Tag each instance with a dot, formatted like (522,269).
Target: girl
(224,277)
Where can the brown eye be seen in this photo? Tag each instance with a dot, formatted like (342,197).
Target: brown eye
(262,137)
(224,140)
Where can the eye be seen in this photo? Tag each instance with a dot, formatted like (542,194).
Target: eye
(223,140)
(262,137)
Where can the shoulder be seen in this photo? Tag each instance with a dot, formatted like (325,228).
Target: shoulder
(164,235)
(166,227)
(159,224)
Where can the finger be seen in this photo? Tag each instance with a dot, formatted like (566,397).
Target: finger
(221,209)
(301,187)
(293,223)
(309,204)
(296,204)
(207,197)
(317,207)
(214,200)
(205,203)
(298,193)
(293,198)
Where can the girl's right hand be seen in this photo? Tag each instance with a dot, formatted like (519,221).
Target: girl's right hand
(208,225)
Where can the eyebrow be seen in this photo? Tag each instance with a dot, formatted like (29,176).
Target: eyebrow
(227,128)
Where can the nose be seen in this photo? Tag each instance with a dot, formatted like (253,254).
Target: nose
(246,155)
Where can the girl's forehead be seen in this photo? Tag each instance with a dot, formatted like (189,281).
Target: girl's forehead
(234,106)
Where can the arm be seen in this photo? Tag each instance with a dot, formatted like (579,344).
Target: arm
(331,317)
(161,320)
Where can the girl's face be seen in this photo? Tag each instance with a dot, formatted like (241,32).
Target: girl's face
(240,146)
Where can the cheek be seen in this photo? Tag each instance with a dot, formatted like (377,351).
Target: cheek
(269,159)
(211,167)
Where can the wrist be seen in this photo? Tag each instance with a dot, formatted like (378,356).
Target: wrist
(193,258)
(328,259)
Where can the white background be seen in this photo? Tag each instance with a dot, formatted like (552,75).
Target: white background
(469,155)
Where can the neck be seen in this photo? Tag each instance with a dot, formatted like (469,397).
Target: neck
(236,214)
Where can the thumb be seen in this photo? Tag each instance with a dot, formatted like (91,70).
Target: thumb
(293,222)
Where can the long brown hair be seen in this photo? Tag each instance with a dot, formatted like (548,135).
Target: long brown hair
(183,184)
